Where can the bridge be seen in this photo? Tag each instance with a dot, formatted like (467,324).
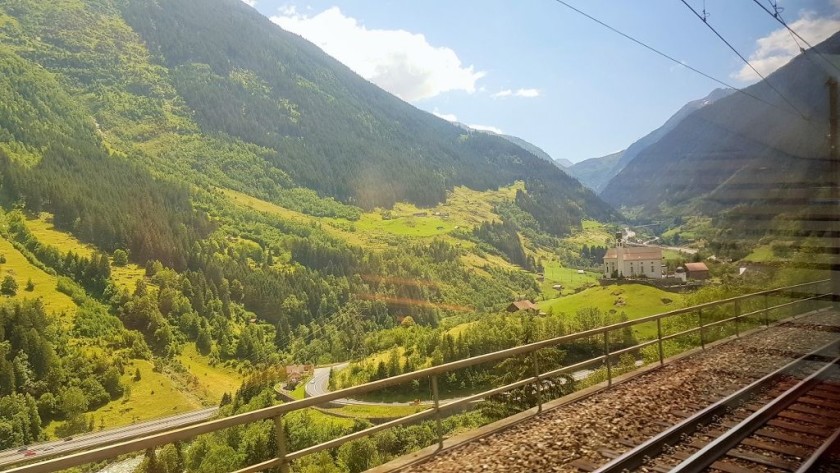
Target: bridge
(732,318)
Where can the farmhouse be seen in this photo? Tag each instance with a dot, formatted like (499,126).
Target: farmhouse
(522,305)
(698,271)
(294,373)
(633,261)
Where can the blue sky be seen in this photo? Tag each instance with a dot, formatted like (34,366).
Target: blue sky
(537,70)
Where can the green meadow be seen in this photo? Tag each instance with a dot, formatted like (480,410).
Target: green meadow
(43,229)
(23,271)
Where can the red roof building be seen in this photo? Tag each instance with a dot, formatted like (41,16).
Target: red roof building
(697,271)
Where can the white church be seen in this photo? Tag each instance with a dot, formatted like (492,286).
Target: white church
(633,261)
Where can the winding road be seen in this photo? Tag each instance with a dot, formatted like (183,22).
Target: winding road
(80,442)
(320,384)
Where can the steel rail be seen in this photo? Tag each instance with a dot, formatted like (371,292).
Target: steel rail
(819,457)
(635,458)
(166,436)
(717,448)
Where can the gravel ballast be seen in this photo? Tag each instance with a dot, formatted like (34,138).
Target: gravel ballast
(636,409)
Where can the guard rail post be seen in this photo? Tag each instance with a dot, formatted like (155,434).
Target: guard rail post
(766,311)
(282,446)
(700,322)
(659,338)
(537,380)
(607,357)
(436,397)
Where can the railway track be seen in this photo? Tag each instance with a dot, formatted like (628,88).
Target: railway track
(590,432)
(786,421)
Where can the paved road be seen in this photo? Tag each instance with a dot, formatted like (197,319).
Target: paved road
(320,384)
(79,442)
(680,249)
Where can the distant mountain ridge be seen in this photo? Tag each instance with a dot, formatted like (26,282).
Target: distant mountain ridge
(526,145)
(595,173)
(737,151)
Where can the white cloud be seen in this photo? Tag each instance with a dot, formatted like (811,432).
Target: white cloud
(526,93)
(776,49)
(250,3)
(399,61)
(492,129)
(450,117)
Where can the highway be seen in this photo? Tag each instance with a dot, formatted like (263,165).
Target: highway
(320,384)
(82,441)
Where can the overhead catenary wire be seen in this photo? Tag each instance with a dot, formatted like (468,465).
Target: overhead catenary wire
(777,15)
(681,63)
(704,19)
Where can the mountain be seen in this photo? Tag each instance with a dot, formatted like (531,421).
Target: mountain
(216,91)
(745,149)
(526,145)
(564,163)
(196,187)
(595,173)
(529,147)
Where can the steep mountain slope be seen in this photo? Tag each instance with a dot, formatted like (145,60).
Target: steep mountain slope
(133,122)
(738,150)
(529,147)
(526,145)
(326,127)
(595,173)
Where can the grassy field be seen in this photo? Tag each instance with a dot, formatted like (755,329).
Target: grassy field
(635,300)
(410,223)
(464,209)
(376,411)
(593,234)
(212,381)
(460,328)
(691,229)
(569,278)
(762,254)
(316,417)
(22,270)
(46,233)
(300,390)
(153,396)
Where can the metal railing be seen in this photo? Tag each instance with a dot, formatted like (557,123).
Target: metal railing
(807,293)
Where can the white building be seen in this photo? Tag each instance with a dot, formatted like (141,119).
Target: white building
(633,261)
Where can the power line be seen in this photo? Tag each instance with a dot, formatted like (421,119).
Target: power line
(705,21)
(672,59)
(777,14)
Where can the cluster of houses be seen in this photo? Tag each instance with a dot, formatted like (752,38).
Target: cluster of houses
(632,262)
(646,262)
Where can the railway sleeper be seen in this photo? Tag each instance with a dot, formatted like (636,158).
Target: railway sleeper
(786,437)
(797,452)
(760,459)
(797,427)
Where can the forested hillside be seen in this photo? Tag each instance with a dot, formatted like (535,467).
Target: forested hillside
(328,129)
(261,184)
